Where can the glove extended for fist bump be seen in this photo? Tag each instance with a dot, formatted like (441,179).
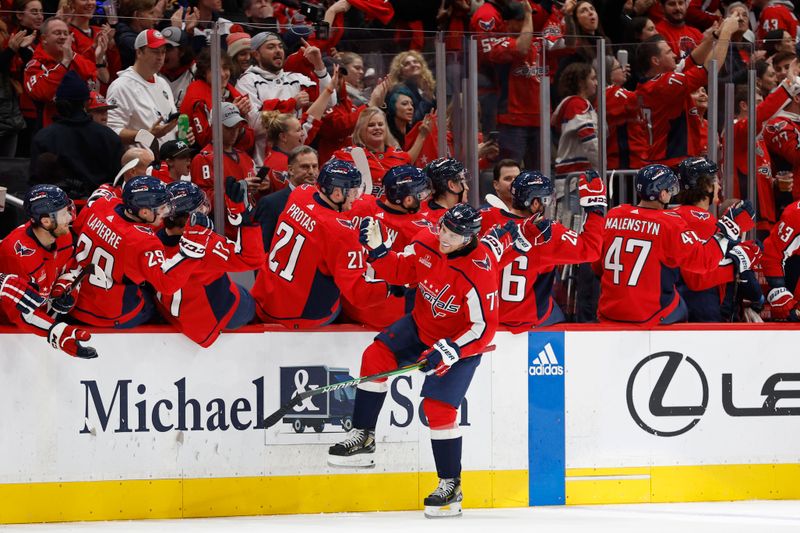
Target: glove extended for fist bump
(592,193)
(69,339)
(371,236)
(743,214)
(745,256)
(25,298)
(783,304)
(440,357)
(196,236)
(237,202)
(61,299)
(510,234)
(537,230)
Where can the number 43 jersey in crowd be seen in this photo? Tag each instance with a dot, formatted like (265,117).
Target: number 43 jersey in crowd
(642,250)
(315,257)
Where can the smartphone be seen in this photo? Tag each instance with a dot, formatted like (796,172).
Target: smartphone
(343,71)
(312,12)
(622,58)
(262,173)
(323,31)
(171,117)
(493,137)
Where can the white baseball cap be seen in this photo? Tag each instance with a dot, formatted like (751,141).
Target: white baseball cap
(230,115)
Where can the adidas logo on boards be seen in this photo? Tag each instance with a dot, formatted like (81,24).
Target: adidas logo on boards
(546,364)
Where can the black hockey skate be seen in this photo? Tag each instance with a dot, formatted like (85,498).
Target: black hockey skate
(445,501)
(357,450)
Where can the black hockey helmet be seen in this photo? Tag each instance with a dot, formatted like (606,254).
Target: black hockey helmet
(443,170)
(528,186)
(692,169)
(186,197)
(653,179)
(45,201)
(462,219)
(405,180)
(145,192)
(338,174)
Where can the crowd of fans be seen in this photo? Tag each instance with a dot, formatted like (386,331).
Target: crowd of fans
(96,95)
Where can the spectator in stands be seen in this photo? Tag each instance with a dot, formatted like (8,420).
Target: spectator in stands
(354,65)
(11,119)
(175,162)
(781,62)
(270,87)
(257,13)
(208,13)
(177,68)
(582,30)
(622,108)
(98,108)
(400,116)
(135,17)
(146,112)
(778,41)
(28,15)
(410,71)
(782,135)
(698,125)
(777,15)
(197,102)
(639,30)
(144,160)
(766,78)
(28,19)
(95,43)
(303,168)
(680,36)
(284,134)
(239,52)
(89,152)
(53,58)
(737,61)
(374,144)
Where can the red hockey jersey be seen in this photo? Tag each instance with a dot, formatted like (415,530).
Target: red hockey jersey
(315,258)
(778,15)
(783,242)
(782,136)
(23,255)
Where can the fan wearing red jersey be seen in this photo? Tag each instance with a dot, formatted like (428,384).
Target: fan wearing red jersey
(665,93)
(526,280)
(40,250)
(212,301)
(781,265)
(455,317)
(120,240)
(777,15)
(642,247)
(21,305)
(315,256)
(709,295)
(407,187)
(450,185)
(682,37)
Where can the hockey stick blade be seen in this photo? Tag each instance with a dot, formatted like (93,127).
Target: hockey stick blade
(276,417)
(495,201)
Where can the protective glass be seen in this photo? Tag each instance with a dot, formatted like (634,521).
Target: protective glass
(354,193)
(164,210)
(65,215)
(205,207)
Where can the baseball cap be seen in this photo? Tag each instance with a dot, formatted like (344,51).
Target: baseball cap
(97,102)
(173,35)
(230,115)
(150,39)
(174,149)
(260,38)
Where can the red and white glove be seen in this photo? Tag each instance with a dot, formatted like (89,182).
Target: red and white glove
(537,230)
(68,339)
(20,293)
(196,236)
(745,256)
(61,298)
(592,192)
(440,357)
(783,304)
(237,201)
(743,214)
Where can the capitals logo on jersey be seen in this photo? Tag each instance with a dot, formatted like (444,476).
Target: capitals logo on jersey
(22,250)
(484,263)
(346,223)
(702,215)
(486,25)
(439,306)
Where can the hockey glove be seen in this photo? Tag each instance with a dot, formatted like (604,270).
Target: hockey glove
(200,220)
(750,289)
(371,236)
(61,298)
(743,214)
(537,230)
(237,202)
(744,256)
(592,192)
(440,357)
(783,304)
(194,241)
(69,339)
(24,297)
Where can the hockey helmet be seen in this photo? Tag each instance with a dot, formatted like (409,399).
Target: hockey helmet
(406,180)
(692,169)
(653,179)
(186,197)
(147,192)
(528,186)
(443,170)
(46,201)
(462,219)
(338,174)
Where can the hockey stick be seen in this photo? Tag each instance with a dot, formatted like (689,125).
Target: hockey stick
(495,201)
(361,163)
(275,417)
(129,165)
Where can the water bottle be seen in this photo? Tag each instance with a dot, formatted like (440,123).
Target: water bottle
(183,127)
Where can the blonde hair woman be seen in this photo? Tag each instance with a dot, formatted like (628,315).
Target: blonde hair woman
(409,69)
(284,134)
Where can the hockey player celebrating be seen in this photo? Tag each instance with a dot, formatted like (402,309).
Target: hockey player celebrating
(644,244)
(526,284)
(121,241)
(21,305)
(454,318)
(450,183)
(315,255)
(406,189)
(212,301)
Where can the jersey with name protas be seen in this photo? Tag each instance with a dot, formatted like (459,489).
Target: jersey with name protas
(315,258)
(526,280)
(23,255)
(129,253)
(398,230)
(201,309)
(457,296)
(642,249)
